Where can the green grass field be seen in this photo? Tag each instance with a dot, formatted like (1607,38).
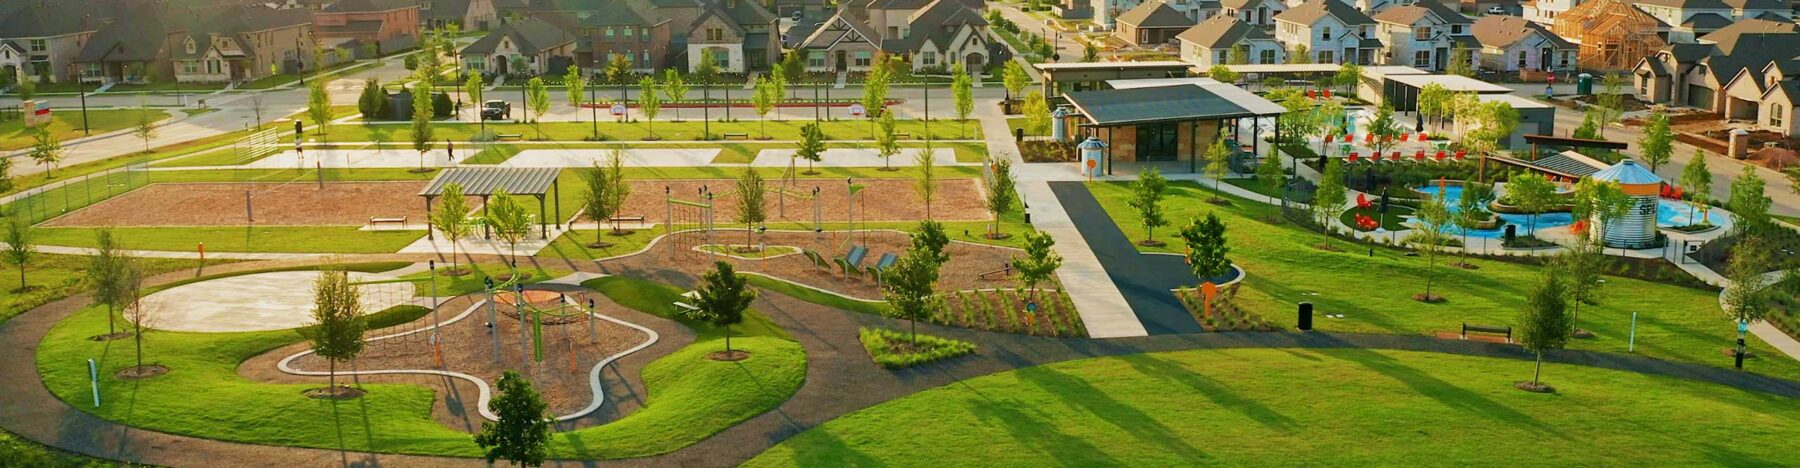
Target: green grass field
(1374,294)
(65,124)
(786,130)
(288,239)
(53,277)
(688,397)
(1300,407)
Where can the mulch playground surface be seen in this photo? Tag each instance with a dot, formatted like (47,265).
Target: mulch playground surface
(879,200)
(223,204)
(964,271)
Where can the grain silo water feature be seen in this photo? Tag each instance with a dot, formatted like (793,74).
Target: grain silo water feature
(1637,229)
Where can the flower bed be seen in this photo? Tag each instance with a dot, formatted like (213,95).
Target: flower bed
(1225,315)
(1003,310)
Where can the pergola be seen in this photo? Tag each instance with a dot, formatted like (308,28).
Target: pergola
(1166,120)
(484,181)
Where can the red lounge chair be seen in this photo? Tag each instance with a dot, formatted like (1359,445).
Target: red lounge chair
(1350,138)
(1375,157)
(1460,154)
(1424,137)
(1440,155)
(1352,157)
(1368,138)
(1396,156)
(1419,157)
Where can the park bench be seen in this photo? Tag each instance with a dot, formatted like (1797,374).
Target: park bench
(684,306)
(509,136)
(851,262)
(740,136)
(818,260)
(882,264)
(903,135)
(374,220)
(626,219)
(1003,272)
(1489,329)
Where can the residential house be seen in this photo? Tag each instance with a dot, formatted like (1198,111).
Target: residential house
(1105,12)
(244,42)
(1774,106)
(1332,31)
(469,15)
(1687,20)
(604,29)
(1424,35)
(130,51)
(1073,9)
(1695,75)
(1544,11)
(944,33)
(48,36)
(851,38)
(1254,12)
(812,9)
(366,21)
(528,47)
(1512,43)
(738,35)
(1152,24)
(843,43)
(1210,43)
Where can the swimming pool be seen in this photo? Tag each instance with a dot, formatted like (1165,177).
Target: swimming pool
(1669,213)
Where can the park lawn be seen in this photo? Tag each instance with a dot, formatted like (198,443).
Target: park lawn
(689,397)
(782,130)
(658,299)
(573,245)
(54,277)
(280,239)
(476,280)
(19,451)
(1393,220)
(1374,294)
(1301,407)
(1015,123)
(126,88)
(65,124)
(815,296)
(160,153)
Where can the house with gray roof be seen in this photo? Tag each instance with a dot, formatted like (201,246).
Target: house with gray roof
(469,15)
(50,35)
(1512,43)
(1211,42)
(1700,75)
(1687,20)
(128,51)
(737,35)
(242,43)
(1331,31)
(522,48)
(1254,12)
(1151,24)
(928,34)
(1424,36)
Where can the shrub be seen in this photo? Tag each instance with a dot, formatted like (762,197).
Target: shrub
(894,349)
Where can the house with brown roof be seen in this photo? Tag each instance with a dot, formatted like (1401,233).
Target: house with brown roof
(469,15)
(1511,43)
(128,51)
(1152,24)
(363,21)
(1424,36)
(638,32)
(1700,75)
(48,36)
(737,35)
(1210,43)
(929,34)
(1332,31)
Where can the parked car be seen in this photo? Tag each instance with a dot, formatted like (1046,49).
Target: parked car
(1496,10)
(496,110)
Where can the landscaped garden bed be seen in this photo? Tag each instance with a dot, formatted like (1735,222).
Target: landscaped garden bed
(898,349)
(1224,315)
(1005,310)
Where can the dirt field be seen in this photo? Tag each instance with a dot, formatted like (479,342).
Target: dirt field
(887,200)
(964,271)
(469,349)
(296,204)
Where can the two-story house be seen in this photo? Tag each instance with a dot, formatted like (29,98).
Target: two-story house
(610,29)
(1512,43)
(948,29)
(1152,24)
(469,15)
(1687,20)
(1211,42)
(528,47)
(1423,35)
(243,43)
(1696,75)
(45,37)
(129,51)
(1544,11)
(1254,12)
(366,21)
(738,35)
(1332,31)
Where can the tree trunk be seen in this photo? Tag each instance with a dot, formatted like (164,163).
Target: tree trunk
(139,338)
(1538,369)
(333,374)
(109,319)
(915,334)
(21,276)
(728,339)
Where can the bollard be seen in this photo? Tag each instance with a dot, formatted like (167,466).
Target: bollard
(1305,319)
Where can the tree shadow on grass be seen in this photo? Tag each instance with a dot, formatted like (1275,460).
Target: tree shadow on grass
(1443,392)
(1079,393)
(1218,392)
(1039,434)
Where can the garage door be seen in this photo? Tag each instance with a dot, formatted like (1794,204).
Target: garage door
(1700,97)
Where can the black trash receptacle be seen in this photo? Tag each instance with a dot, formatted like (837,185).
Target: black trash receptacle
(1018,134)
(1305,316)
(1511,232)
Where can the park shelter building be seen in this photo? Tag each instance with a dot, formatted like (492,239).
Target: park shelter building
(1064,78)
(1169,121)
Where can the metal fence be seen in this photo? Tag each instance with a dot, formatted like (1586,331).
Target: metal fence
(43,203)
(8,114)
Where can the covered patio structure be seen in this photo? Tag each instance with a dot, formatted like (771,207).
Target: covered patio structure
(1165,120)
(485,181)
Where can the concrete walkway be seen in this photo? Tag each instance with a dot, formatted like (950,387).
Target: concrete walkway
(1144,280)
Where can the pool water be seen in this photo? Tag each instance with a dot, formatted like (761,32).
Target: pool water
(1669,213)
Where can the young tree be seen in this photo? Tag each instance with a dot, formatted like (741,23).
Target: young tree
(1206,249)
(1611,101)
(575,89)
(1471,211)
(318,107)
(1428,237)
(145,127)
(676,90)
(925,182)
(649,103)
(1697,179)
(338,335)
(451,219)
(1002,192)
(597,201)
(1271,174)
(724,296)
(508,219)
(537,101)
(1015,80)
(371,102)
(523,431)
(105,275)
(779,81)
(1533,194)
(421,121)
(1434,102)
(910,287)
(1218,165)
(1495,122)
(1330,198)
(21,245)
(1590,126)
(708,68)
(45,150)
(1657,145)
(141,315)
(1387,132)
(1545,324)
(472,88)
(793,67)
(962,90)
(1222,74)
(1749,207)
(1746,299)
(812,147)
(875,89)
(1037,114)
(618,71)
(887,143)
(1580,267)
(764,101)
(1090,52)
(751,191)
(1041,260)
(1461,62)
(1146,198)
(1346,77)
(27,89)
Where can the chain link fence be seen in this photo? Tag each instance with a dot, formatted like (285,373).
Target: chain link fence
(42,203)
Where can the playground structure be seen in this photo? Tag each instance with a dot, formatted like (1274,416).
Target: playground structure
(1613,34)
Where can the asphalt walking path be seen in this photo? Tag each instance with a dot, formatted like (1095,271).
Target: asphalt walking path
(1145,280)
(840,379)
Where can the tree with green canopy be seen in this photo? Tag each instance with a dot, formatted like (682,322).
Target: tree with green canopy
(724,296)
(675,89)
(1206,249)
(1002,192)
(1040,261)
(650,104)
(1545,324)
(537,101)
(1146,199)
(451,219)
(522,434)
(337,335)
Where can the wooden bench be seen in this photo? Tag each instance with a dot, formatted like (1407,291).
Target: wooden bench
(1002,273)
(374,220)
(740,136)
(903,135)
(626,219)
(683,306)
(1489,329)
(509,136)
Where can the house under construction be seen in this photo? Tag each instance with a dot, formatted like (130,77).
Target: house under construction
(1613,34)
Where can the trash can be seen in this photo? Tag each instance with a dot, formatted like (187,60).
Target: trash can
(1512,231)
(1305,320)
(1584,84)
